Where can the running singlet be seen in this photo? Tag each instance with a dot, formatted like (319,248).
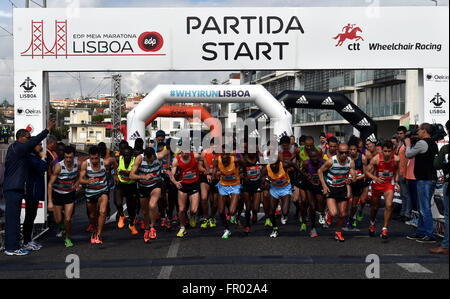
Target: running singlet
(229,176)
(209,158)
(386,171)
(287,155)
(66,179)
(337,174)
(188,171)
(303,155)
(253,172)
(280,179)
(124,172)
(153,168)
(100,185)
(359,168)
(312,172)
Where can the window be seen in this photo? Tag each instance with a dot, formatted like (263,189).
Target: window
(177,125)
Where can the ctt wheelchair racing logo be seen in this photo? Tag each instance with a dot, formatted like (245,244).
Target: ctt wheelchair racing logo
(351,32)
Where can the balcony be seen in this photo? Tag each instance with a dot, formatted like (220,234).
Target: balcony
(343,83)
(374,78)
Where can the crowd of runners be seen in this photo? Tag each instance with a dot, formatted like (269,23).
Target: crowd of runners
(327,185)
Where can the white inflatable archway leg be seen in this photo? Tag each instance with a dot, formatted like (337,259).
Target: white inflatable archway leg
(162,94)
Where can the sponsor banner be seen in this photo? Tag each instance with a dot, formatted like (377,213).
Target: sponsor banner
(405,120)
(145,39)
(41,213)
(436,95)
(28,102)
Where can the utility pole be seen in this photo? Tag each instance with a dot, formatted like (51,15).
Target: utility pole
(27,3)
(116,113)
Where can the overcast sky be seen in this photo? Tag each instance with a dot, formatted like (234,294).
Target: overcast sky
(65,85)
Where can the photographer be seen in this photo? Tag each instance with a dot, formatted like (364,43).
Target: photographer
(424,152)
(441,162)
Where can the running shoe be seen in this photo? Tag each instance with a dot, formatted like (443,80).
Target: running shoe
(274,233)
(321,219)
(152,233)
(414,237)
(133,230)
(233,220)
(163,222)
(181,233)
(204,223)
(313,233)
(193,222)
(427,240)
(228,216)
(36,244)
(89,228)
(247,229)
(121,223)
(68,242)
(212,222)
(384,234)
(284,220)
(60,233)
(268,223)
(360,216)
(169,224)
(278,211)
(354,223)
(93,238)
(338,237)
(30,247)
(147,236)
(18,252)
(142,225)
(98,240)
(303,227)
(226,234)
(372,230)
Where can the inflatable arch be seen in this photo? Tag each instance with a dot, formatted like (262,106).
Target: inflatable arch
(163,94)
(330,101)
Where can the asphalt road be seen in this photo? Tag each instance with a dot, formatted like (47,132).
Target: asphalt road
(204,255)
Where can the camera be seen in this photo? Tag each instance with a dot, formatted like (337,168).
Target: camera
(438,132)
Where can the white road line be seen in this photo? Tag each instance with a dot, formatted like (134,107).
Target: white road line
(414,268)
(173,250)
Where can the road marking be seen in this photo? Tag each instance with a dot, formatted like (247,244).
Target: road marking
(414,268)
(173,250)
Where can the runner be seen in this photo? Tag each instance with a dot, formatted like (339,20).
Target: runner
(93,174)
(314,191)
(127,186)
(359,190)
(118,198)
(188,187)
(252,189)
(280,188)
(336,187)
(171,191)
(147,171)
(208,187)
(227,169)
(332,148)
(62,186)
(287,153)
(383,171)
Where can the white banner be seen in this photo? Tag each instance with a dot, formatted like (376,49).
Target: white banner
(436,97)
(146,39)
(41,216)
(28,102)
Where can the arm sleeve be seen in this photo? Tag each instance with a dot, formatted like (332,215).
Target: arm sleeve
(421,147)
(439,159)
(22,149)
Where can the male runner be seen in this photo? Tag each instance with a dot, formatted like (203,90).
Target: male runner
(147,171)
(127,186)
(336,187)
(280,188)
(314,191)
(93,174)
(62,186)
(383,171)
(188,186)
(287,153)
(359,190)
(227,169)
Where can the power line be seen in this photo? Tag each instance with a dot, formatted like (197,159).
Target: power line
(6,30)
(12,3)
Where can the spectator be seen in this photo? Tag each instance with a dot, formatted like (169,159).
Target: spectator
(424,152)
(323,142)
(16,172)
(293,141)
(405,213)
(59,152)
(35,193)
(441,162)
(52,143)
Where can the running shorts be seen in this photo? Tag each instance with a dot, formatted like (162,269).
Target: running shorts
(190,189)
(339,194)
(228,190)
(144,192)
(63,199)
(278,193)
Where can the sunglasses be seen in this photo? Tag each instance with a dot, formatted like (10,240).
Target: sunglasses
(343,153)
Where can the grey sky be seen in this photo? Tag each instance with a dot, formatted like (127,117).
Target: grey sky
(64,85)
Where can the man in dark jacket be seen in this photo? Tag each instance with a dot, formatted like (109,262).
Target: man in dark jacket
(16,173)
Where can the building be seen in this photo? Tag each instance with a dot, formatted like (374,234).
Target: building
(384,95)
(82,132)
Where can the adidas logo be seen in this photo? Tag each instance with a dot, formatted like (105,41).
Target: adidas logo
(328,102)
(372,138)
(135,135)
(348,109)
(363,123)
(302,100)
